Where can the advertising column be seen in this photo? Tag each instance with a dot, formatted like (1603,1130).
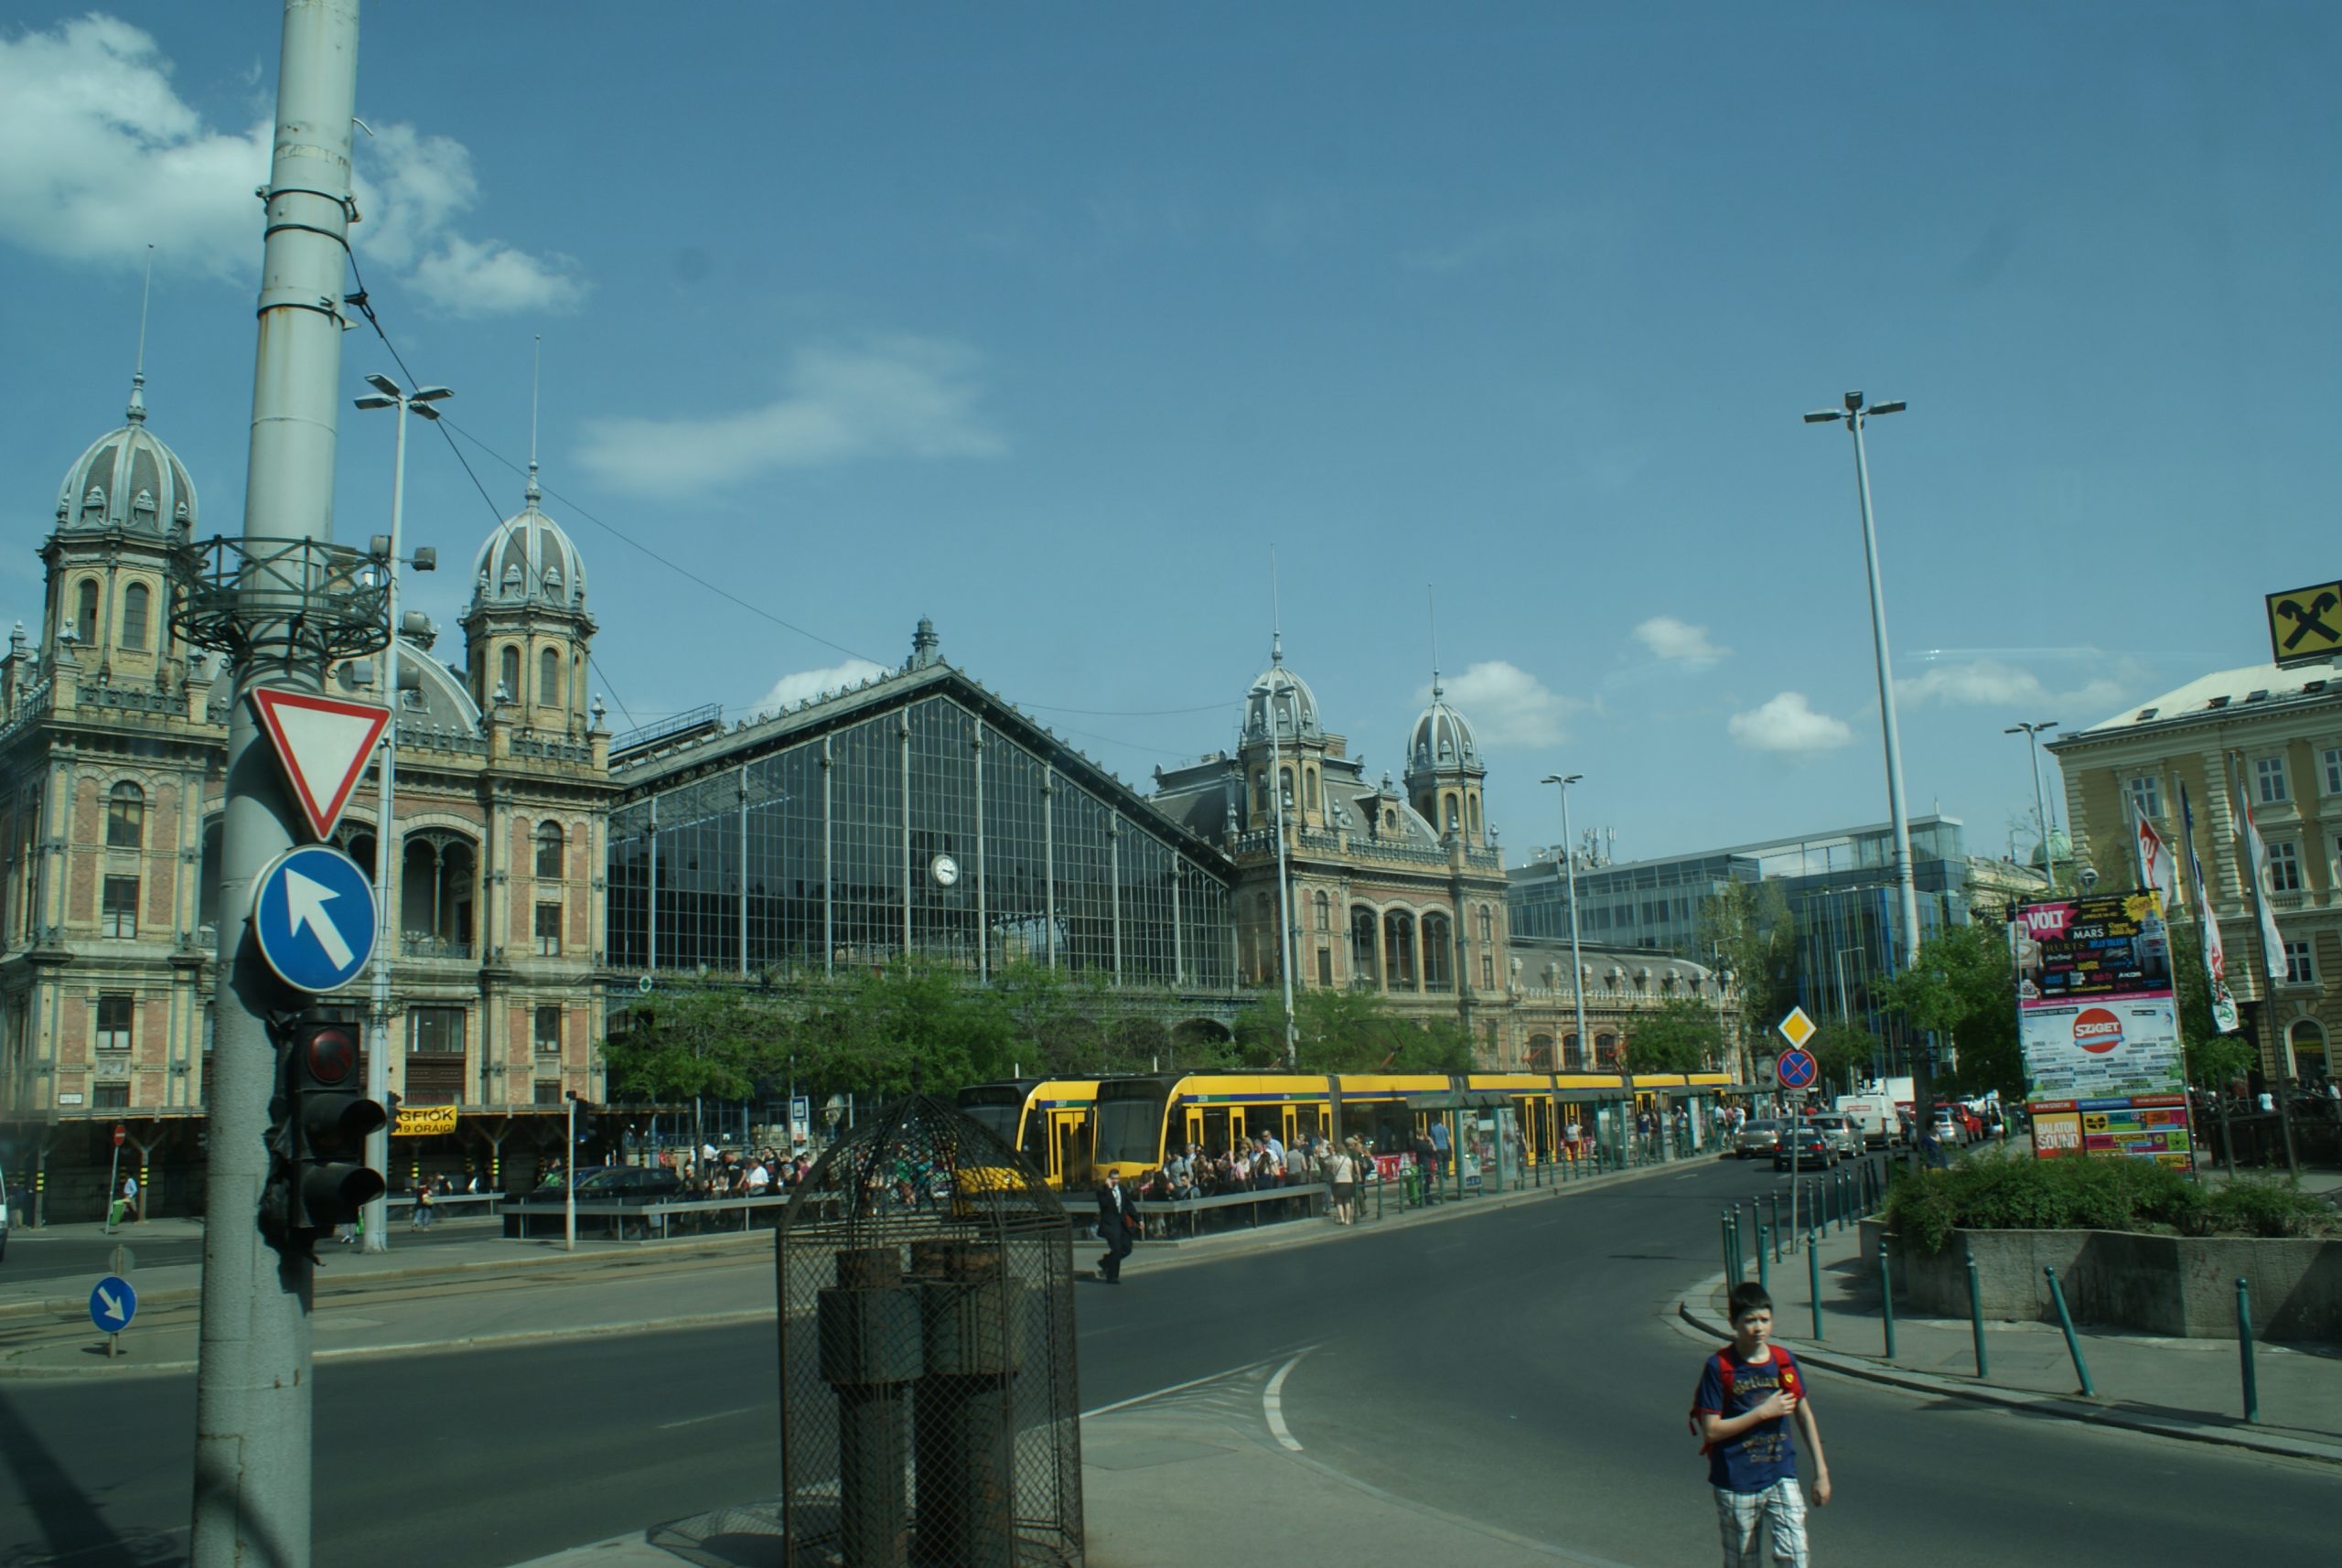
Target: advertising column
(2099,1025)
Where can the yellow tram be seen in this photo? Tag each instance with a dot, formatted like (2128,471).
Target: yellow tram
(1046,1120)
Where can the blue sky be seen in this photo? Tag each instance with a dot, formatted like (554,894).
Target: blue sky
(1048,321)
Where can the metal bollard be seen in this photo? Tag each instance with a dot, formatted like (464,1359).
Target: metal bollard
(1776,1226)
(1731,1262)
(2244,1349)
(2073,1341)
(1976,1318)
(1764,1271)
(1813,1270)
(1887,1298)
(868,1331)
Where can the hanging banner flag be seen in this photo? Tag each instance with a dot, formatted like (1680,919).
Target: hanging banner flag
(2207,928)
(2155,868)
(2256,855)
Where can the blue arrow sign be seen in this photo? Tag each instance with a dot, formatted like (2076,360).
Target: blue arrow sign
(314,918)
(113,1305)
(1795,1069)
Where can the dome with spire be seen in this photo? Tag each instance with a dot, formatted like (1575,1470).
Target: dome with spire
(129,481)
(1443,737)
(528,560)
(1278,689)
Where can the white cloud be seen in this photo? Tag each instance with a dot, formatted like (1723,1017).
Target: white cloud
(106,158)
(804,684)
(896,397)
(1508,706)
(1990,682)
(1673,639)
(1789,723)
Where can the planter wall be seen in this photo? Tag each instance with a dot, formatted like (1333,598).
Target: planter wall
(2183,1287)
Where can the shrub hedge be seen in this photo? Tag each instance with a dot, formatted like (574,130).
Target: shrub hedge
(1925,1207)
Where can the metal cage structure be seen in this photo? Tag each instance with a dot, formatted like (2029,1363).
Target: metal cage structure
(931,1415)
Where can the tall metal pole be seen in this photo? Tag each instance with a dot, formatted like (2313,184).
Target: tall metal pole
(1898,817)
(378,1049)
(2040,802)
(1569,872)
(253,1372)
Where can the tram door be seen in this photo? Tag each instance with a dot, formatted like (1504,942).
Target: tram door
(1069,1150)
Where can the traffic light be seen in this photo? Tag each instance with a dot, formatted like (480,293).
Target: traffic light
(320,1118)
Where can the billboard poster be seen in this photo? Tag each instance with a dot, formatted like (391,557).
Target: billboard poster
(2098,1023)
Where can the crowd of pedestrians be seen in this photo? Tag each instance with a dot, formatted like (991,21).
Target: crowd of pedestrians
(712,1173)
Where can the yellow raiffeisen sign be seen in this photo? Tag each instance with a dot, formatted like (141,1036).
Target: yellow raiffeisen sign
(2305,623)
(424,1120)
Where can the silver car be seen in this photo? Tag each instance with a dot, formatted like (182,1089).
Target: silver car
(1845,1139)
(1761,1136)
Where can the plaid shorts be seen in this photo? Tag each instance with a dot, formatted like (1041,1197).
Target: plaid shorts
(1740,1514)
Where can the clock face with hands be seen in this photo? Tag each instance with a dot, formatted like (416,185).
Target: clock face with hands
(944,869)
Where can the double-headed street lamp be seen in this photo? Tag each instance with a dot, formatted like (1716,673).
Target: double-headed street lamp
(1855,414)
(388,394)
(1569,872)
(2032,733)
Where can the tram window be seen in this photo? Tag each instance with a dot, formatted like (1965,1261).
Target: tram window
(1215,1134)
(1309,1119)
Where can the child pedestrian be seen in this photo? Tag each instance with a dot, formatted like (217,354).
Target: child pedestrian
(1750,1394)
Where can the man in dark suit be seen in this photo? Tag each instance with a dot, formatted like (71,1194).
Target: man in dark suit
(1117,1223)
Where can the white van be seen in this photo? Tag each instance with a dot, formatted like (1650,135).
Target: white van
(1873,1116)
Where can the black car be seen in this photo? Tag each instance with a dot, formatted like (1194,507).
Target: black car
(603,1183)
(1811,1145)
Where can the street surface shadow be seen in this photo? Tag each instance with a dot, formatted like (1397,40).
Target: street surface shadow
(71,1525)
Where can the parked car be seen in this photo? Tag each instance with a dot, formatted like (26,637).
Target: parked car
(1846,1139)
(1806,1145)
(1950,1130)
(1761,1136)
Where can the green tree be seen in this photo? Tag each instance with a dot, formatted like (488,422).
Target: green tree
(1964,988)
(1845,1052)
(685,1045)
(2214,1059)
(1749,928)
(1350,1031)
(1681,1036)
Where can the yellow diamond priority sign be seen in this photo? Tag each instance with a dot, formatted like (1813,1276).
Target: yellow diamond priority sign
(1797,1028)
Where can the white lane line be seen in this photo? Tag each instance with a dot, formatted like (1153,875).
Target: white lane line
(1179,1388)
(1272,1403)
(719,1415)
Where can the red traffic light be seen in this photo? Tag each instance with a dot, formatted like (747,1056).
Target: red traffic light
(330,1053)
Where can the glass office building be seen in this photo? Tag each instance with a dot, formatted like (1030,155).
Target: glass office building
(917,815)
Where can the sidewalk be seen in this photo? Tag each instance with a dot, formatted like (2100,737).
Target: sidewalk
(1144,1468)
(2179,1388)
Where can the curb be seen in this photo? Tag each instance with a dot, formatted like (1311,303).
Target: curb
(2070,1407)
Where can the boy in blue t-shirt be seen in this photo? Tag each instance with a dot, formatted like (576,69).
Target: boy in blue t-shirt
(1749,1394)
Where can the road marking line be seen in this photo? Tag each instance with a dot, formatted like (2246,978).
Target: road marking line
(1272,1401)
(1180,1388)
(719,1415)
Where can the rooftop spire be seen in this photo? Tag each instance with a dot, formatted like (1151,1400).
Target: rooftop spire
(1432,598)
(536,359)
(136,412)
(1276,617)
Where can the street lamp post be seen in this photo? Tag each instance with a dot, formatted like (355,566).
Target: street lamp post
(1855,414)
(2032,733)
(1569,874)
(569,1177)
(387,393)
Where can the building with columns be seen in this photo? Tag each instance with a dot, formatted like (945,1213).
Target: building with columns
(2276,734)
(113,751)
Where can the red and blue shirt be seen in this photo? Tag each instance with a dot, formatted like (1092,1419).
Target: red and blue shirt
(1766,1452)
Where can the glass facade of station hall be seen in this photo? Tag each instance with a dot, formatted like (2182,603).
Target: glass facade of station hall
(922,828)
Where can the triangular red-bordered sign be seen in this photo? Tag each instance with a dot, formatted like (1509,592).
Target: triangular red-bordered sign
(323,743)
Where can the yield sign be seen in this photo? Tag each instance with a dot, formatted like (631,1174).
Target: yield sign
(323,743)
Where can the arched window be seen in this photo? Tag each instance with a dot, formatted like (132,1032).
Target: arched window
(1487,927)
(135,600)
(508,673)
(1309,782)
(1439,953)
(549,678)
(85,611)
(1454,823)
(126,817)
(1573,1054)
(1285,787)
(1606,1050)
(1399,948)
(549,847)
(1541,1053)
(1325,907)
(2307,1039)
(1362,945)
(1475,815)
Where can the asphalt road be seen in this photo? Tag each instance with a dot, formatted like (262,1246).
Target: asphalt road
(1514,1365)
